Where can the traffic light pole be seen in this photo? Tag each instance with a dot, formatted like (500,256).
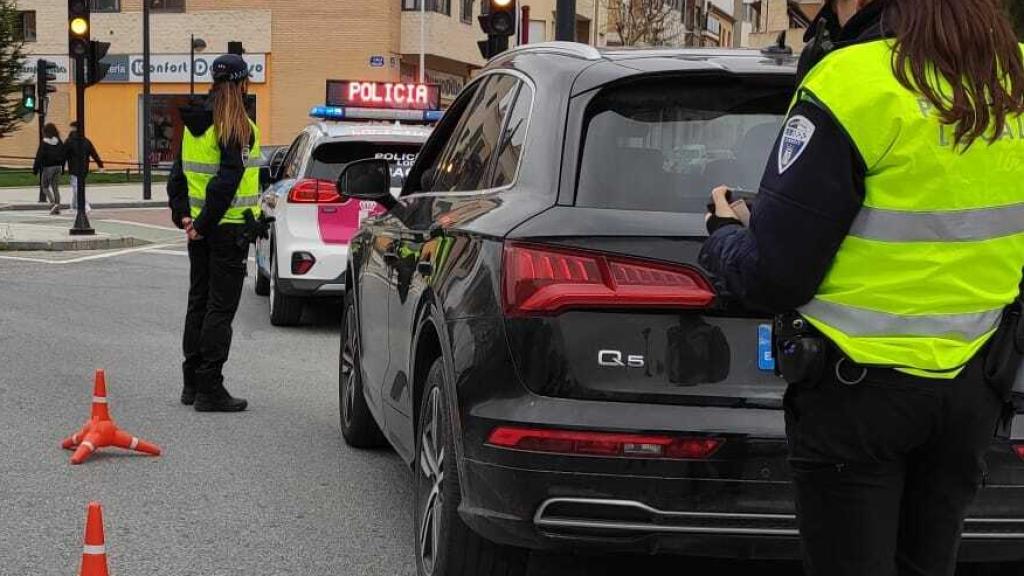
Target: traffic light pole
(42,121)
(565,21)
(147,87)
(82,226)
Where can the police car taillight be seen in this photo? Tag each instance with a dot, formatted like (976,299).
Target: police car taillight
(313,191)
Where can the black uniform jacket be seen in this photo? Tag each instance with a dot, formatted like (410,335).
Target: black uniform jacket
(220,192)
(805,206)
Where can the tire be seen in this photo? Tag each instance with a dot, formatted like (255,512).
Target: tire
(445,546)
(284,310)
(358,427)
(262,284)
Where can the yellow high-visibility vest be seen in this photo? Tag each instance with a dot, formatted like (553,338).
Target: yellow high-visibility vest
(935,254)
(200,160)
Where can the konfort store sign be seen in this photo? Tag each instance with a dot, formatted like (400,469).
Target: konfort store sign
(174,68)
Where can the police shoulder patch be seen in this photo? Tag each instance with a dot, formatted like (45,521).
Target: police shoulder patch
(796,134)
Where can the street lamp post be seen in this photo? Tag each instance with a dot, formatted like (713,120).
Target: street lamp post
(197,45)
(147,145)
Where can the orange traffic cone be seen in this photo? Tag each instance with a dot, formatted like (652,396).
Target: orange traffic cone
(100,431)
(94,554)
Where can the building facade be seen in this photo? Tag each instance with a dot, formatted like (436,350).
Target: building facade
(777,16)
(292,47)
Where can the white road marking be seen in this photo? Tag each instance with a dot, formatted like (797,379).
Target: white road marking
(141,225)
(182,253)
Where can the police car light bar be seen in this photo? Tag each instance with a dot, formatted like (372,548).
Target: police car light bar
(347,113)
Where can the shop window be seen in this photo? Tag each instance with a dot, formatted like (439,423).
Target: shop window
(105,5)
(25,30)
(167,5)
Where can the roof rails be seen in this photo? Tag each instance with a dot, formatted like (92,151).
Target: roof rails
(574,49)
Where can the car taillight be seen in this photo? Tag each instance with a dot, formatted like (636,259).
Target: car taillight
(302,262)
(313,191)
(547,280)
(1019,449)
(608,444)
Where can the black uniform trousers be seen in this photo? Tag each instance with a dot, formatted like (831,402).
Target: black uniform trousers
(884,470)
(217,275)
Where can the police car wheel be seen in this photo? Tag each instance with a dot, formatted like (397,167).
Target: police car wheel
(358,427)
(445,546)
(284,310)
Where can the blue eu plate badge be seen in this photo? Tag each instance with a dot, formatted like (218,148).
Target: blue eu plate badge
(765,355)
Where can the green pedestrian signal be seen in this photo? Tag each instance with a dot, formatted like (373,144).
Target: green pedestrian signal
(28,97)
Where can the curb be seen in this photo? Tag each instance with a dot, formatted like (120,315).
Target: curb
(108,243)
(95,206)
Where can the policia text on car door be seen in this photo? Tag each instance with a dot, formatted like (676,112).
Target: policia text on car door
(892,221)
(214,197)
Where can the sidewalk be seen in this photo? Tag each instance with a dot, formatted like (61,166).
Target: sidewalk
(99,196)
(33,237)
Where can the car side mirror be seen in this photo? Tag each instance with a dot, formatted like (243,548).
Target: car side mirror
(368,179)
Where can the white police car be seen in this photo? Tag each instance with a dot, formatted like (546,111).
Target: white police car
(306,253)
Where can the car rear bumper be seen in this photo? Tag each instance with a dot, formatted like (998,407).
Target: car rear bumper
(557,510)
(312,287)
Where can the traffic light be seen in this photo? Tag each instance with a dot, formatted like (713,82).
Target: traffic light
(28,97)
(498,21)
(95,68)
(46,75)
(78,28)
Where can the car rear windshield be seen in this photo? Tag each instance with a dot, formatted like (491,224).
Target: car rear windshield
(331,157)
(663,144)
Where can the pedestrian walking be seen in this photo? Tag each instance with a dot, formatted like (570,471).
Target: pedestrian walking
(79,153)
(888,237)
(213,192)
(49,165)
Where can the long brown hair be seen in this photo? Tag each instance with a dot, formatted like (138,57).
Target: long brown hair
(972,45)
(229,114)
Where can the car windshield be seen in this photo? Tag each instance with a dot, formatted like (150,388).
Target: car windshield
(331,157)
(663,144)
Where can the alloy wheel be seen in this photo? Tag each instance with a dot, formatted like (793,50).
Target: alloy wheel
(432,454)
(348,366)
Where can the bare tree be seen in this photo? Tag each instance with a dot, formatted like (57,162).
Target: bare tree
(643,22)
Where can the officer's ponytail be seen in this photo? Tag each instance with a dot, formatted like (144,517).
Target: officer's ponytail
(972,45)
(229,114)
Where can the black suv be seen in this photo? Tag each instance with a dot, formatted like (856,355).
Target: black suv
(528,326)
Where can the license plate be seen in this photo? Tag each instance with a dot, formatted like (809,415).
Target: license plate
(765,354)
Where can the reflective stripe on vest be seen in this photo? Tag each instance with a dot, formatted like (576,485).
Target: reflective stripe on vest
(936,252)
(200,161)
(243,202)
(211,169)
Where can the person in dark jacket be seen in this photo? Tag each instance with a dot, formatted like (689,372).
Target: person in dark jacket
(49,165)
(79,152)
(887,235)
(213,185)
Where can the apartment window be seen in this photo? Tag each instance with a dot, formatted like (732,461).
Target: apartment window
(167,5)
(25,30)
(467,11)
(439,6)
(105,5)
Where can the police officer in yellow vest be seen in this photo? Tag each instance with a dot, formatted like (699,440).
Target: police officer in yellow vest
(891,219)
(214,192)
